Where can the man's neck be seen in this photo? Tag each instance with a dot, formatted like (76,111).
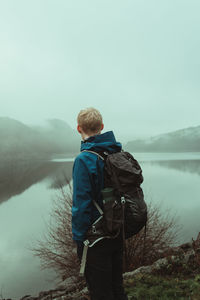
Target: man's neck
(87,136)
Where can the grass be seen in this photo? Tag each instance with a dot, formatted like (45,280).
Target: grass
(153,287)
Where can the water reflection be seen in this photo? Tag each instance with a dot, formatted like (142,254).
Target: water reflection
(39,179)
(189,166)
(16,177)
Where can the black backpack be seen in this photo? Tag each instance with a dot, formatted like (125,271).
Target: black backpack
(124,174)
(123,199)
(124,208)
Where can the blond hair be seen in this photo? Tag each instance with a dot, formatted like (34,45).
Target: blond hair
(90,120)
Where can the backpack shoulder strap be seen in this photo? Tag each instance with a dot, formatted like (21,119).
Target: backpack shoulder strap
(100,156)
(95,203)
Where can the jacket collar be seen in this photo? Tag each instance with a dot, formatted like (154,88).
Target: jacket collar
(102,142)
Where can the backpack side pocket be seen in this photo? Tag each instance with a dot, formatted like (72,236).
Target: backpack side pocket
(112,211)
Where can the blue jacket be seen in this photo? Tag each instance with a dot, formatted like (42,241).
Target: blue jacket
(88,181)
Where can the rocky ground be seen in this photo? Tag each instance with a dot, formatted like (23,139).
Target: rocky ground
(174,276)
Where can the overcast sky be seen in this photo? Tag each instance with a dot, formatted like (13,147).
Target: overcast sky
(137,61)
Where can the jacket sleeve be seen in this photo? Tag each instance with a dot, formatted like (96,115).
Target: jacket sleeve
(82,200)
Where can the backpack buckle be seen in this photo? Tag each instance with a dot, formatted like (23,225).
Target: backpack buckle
(123,200)
(94,229)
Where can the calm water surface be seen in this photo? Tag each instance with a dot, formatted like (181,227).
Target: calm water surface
(27,191)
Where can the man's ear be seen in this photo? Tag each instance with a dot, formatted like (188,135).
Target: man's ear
(102,126)
(79,129)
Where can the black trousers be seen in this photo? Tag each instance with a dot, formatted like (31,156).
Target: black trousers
(104,268)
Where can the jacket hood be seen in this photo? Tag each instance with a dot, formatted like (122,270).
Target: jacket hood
(102,142)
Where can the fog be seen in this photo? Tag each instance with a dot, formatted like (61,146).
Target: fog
(136,61)
(20,141)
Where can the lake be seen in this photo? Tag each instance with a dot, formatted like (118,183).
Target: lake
(27,190)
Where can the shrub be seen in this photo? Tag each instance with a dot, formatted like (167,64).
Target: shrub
(57,250)
(146,247)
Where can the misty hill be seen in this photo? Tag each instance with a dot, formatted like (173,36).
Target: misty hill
(19,140)
(60,137)
(183,140)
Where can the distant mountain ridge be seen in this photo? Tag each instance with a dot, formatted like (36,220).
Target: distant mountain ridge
(182,140)
(20,140)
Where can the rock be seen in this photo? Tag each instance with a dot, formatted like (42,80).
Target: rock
(28,297)
(140,270)
(190,255)
(198,250)
(160,263)
(186,246)
(43,294)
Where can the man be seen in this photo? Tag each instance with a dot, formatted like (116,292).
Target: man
(103,271)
